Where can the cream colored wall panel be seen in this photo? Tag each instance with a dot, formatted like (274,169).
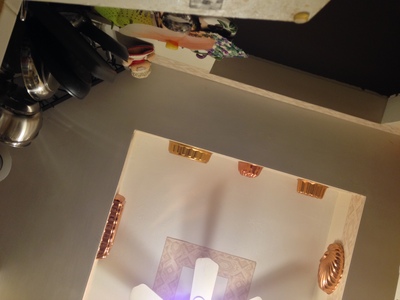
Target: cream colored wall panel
(262,219)
(282,10)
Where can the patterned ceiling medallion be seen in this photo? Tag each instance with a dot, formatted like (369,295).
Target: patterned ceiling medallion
(111,228)
(311,188)
(331,268)
(189,152)
(179,255)
(249,170)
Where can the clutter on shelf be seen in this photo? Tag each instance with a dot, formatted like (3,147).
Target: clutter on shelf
(139,61)
(205,36)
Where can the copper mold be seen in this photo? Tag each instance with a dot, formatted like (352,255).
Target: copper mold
(190,152)
(249,170)
(310,188)
(331,268)
(111,228)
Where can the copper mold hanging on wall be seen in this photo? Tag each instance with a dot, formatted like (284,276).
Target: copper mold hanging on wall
(190,152)
(248,169)
(111,228)
(331,268)
(310,188)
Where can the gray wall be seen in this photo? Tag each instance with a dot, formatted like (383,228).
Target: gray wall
(303,86)
(56,198)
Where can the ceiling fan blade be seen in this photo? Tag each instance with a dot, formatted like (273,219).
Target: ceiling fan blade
(143,292)
(205,276)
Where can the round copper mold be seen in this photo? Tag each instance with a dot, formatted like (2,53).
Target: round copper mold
(249,170)
(331,268)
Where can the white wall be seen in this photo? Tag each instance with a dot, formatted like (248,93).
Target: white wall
(57,196)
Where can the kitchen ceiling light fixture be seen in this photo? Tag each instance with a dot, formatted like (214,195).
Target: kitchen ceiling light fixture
(204,279)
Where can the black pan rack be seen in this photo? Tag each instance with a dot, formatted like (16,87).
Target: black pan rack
(62,95)
(10,79)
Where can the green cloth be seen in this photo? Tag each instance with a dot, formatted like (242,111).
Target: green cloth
(122,17)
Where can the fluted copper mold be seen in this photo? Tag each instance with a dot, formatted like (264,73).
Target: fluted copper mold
(111,228)
(190,152)
(249,170)
(310,188)
(331,268)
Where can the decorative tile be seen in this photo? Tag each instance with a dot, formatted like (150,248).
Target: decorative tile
(178,254)
(350,230)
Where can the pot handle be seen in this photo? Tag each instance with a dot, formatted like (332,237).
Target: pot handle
(103,39)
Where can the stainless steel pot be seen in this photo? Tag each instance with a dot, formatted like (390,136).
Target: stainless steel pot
(20,120)
(5,162)
(39,82)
